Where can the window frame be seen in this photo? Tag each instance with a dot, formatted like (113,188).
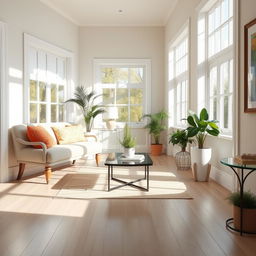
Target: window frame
(216,60)
(184,34)
(42,46)
(4,103)
(145,86)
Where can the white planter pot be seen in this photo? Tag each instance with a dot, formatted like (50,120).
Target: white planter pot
(200,159)
(129,152)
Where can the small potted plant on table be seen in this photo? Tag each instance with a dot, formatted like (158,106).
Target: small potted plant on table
(156,125)
(249,211)
(201,156)
(128,142)
(182,158)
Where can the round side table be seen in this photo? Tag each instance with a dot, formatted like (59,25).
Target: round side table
(241,180)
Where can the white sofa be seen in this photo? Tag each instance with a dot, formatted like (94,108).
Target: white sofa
(58,154)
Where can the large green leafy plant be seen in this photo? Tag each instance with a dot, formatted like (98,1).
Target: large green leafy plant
(181,138)
(200,126)
(156,124)
(85,100)
(128,141)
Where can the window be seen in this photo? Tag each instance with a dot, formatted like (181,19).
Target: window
(178,80)
(124,84)
(47,87)
(215,62)
(47,83)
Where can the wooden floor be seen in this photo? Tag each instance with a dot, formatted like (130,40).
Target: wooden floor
(33,222)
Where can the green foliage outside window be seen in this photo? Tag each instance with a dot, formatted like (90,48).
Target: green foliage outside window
(128,100)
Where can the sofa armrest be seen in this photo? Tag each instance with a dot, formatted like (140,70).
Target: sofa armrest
(91,136)
(29,143)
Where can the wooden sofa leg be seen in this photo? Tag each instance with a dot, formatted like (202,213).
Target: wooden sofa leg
(48,174)
(74,161)
(97,158)
(21,170)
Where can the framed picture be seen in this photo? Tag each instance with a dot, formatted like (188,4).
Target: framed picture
(250,67)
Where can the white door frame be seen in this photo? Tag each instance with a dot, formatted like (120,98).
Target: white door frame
(4,120)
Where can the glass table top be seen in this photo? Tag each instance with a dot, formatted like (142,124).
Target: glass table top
(230,161)
(114,160)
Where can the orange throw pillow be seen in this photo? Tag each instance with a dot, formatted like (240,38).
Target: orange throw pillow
(39,134)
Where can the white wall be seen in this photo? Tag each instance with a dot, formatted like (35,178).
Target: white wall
(34,18)
(184,11)
(125,43)
(247,122)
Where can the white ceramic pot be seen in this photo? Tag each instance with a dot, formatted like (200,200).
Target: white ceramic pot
(129,152)
(200,158)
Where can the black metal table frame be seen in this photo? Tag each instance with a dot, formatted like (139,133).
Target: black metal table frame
(130,183)
(241,181)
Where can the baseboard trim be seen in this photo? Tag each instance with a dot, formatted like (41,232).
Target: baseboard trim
(223,178)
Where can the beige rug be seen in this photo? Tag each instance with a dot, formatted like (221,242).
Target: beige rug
(91,182)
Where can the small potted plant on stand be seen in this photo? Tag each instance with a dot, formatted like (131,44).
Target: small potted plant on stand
(201,156)
(182,158)
(85,100)
(249,210)
(128,142)
(156,125)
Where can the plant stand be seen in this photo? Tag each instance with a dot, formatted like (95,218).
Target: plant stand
(241,180)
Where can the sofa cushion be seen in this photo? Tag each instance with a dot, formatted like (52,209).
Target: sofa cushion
(72,151)
(48,128)
(69,134)
(39,134)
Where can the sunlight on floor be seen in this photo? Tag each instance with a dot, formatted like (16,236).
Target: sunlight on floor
(41,201)
(44,206)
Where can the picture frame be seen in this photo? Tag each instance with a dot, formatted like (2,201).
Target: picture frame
(250,67)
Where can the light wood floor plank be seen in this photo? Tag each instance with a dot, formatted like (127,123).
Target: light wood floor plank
(34,222)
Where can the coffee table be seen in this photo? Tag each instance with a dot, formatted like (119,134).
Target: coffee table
(114,160)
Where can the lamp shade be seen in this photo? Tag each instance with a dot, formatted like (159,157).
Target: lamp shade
(111,113)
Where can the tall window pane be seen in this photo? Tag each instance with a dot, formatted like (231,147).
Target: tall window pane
(178,72)
(217,68)
(47,85)
(123,85)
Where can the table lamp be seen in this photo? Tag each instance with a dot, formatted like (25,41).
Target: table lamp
(110,117)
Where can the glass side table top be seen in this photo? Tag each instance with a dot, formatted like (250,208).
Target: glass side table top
(114,160)
(230,161)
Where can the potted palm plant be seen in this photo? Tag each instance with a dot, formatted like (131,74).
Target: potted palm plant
(200,126)
(249,210)
(85,100)
(128,142)
(156,125)
(182,158)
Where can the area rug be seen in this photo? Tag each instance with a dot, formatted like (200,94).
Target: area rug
(91,182)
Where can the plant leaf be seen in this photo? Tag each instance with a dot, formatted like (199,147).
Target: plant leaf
(193,131)
(213,132)
(191,121)
(196,119)
(204,114)
(213,125)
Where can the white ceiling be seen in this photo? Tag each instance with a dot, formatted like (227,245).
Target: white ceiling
(106,12)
